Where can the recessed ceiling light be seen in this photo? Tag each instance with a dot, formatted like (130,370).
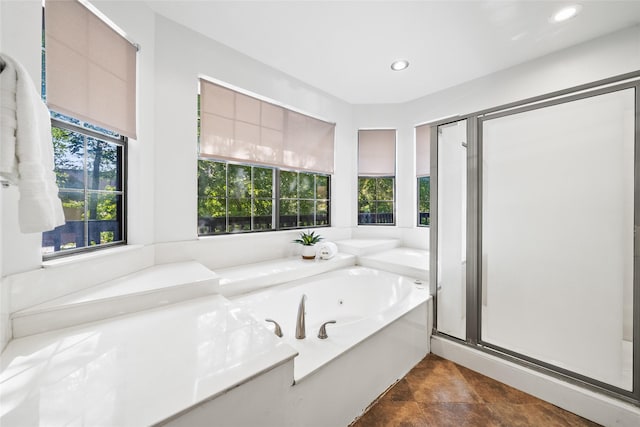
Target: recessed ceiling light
(400,64)
(565,13)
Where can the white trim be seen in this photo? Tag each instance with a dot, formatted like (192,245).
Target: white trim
(84,256)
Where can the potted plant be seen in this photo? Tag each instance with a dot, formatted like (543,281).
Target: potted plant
(307,240)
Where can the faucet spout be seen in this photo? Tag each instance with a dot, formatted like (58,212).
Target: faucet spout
(300,327)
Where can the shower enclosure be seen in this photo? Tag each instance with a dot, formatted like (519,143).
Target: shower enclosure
(535,233)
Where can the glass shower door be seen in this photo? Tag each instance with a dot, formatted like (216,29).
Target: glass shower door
(557,233)
(452,238)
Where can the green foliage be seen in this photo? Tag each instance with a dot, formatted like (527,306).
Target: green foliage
(212,189)
(308,239)
(101,164)
(384,190)
(288,185)
(424,198)
(322,187)
(306,186)
(239,192)
(106,207)
(243,197)
(106,236)
(262,183)
(66,146)
(375,194)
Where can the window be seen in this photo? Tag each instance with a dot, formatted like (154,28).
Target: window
(89,168)
(376,200)
(236,198)
(376,176)
(424,201)
(233,198)
(304,200)
(423,166)
(262,166)
(92,102)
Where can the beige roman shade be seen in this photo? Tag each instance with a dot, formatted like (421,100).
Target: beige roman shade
(377,152)
(238,127)
(423,150)
(90,68)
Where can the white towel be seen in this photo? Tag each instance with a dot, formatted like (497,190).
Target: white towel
(39,208)
(327,250)
(8,161)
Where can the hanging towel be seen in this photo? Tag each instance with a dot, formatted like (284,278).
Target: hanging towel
(327,250)
(29,151)
(8,161)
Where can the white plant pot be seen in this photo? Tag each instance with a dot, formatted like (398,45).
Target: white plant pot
(308,252)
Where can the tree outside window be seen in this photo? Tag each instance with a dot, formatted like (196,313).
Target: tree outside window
(236,198)
(424,201)
(376,200)
(89,174)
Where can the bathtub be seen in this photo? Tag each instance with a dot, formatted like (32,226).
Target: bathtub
(382,330)
(361,300)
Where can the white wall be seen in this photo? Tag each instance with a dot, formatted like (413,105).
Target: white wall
(5,332)
(183,55)
(21,29)
(607,56)
(19,32)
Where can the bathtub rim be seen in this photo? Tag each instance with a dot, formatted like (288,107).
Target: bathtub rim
(368,327)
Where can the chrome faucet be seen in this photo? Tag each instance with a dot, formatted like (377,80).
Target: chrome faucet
(322,333)
(300,328)
(277,330)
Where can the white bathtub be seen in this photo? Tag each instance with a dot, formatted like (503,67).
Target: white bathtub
(382,331)
(361,300)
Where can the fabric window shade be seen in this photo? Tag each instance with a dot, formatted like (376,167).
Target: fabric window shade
(377,152)
(238,127)
(423,150)
(90,68)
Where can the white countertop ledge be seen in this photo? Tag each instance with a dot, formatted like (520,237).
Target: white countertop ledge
(88,256)
(252,277)
(151,279)
(135,370)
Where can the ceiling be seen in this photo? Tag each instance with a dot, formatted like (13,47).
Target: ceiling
(345,48)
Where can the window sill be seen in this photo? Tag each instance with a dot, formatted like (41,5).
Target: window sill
(74,259)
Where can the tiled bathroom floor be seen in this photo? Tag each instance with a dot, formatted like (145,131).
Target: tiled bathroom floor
(438,392)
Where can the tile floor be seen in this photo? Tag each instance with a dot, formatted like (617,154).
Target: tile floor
(437,392)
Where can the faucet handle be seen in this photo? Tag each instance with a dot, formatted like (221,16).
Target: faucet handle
(278,329)
(322,333)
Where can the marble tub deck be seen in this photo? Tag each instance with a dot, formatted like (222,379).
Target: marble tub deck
(135,370)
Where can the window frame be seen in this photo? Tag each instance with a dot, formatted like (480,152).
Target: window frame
(275,198)
(418,212)
(315,198)
(58,121)
(376,200)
